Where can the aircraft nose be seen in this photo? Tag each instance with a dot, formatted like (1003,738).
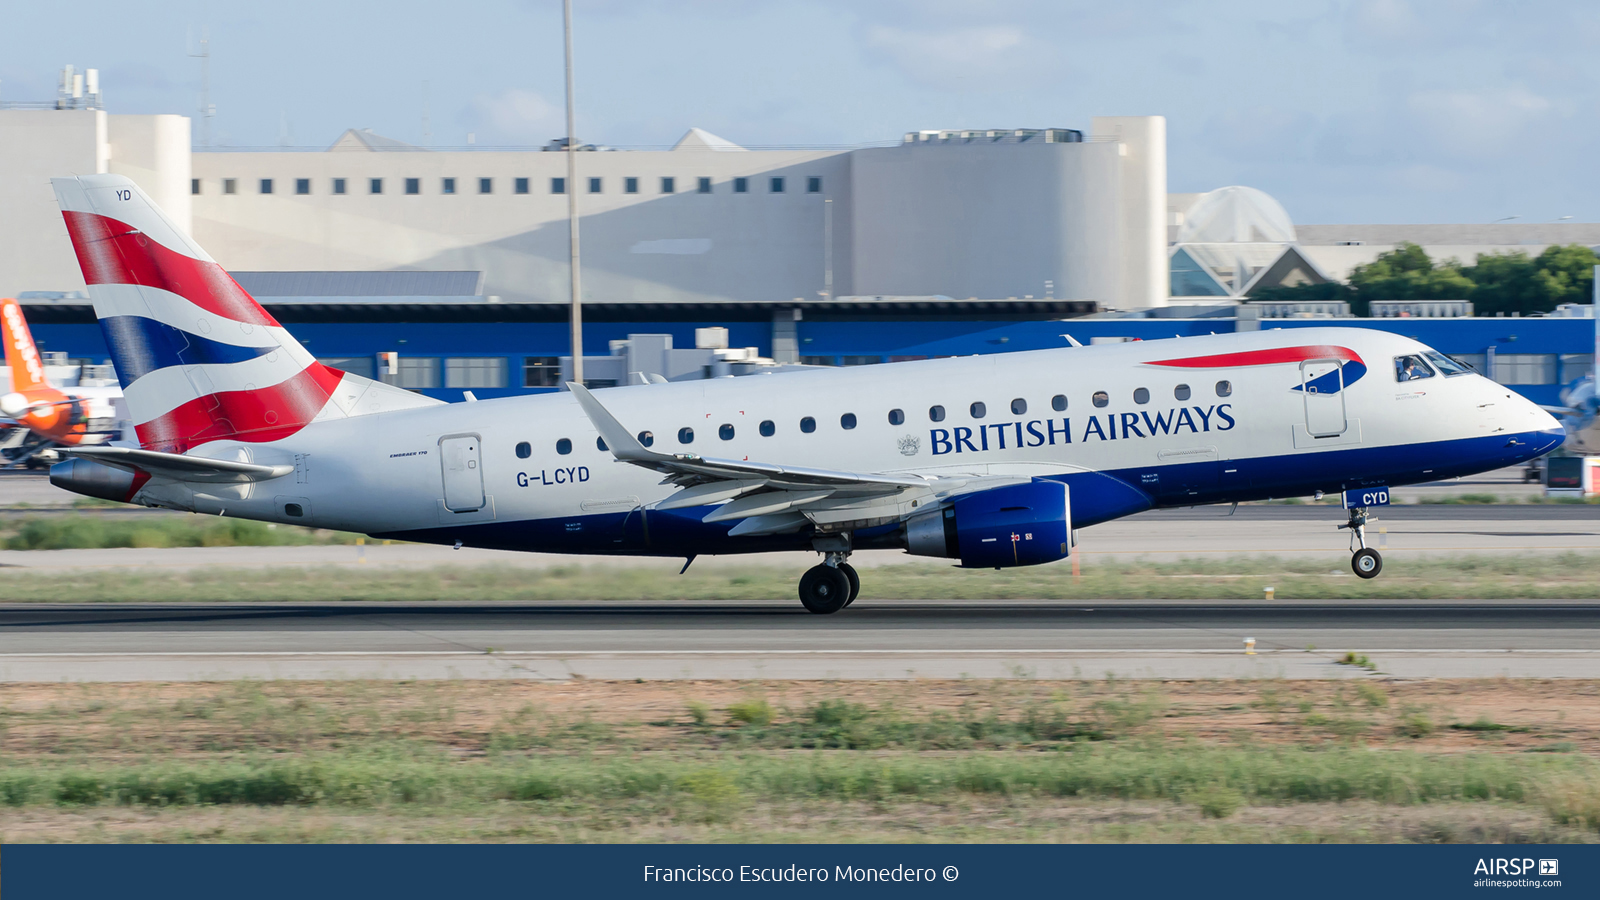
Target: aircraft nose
(1552,437)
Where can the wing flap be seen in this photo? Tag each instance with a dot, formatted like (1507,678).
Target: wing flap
(765,503)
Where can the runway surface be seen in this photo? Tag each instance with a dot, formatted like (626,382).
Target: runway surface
(871,640)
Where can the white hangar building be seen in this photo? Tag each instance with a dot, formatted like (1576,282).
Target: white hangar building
(1024,213)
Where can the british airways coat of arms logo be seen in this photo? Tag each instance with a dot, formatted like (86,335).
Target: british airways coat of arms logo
(910,445)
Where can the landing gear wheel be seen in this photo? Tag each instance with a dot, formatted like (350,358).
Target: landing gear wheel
(1367,563)
(824,590)
(855,581)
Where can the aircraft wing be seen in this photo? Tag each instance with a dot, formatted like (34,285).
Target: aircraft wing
(179,466)
(772,499)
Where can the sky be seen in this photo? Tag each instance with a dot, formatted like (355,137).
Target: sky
(1346,111)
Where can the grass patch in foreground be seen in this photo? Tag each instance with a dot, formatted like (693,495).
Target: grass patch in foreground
(1239,578)
(89,532)
(1005,761)
(1293,775)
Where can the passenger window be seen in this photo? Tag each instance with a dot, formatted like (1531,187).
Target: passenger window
(808,425)
(847,421)
(936,414)
(897,417)
(1101,398)
(725,432)
(1411,368)
(563,446)
(685,435)
(768,429)
(1019,407)
(1058,402)
(978,410)
(1181,392)
(1224,389)
(524,450)
(646,438)
(1141,395)
(600,444)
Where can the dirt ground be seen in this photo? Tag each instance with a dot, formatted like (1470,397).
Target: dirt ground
(110,721)
(982,820)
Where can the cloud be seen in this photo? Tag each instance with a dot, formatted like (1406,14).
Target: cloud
(969,58)
(1481,124)
(517,116)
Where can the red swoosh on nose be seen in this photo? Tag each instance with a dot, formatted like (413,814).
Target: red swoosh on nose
(1269,357)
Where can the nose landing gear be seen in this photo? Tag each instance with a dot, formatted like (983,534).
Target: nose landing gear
(831,586)
(1366,562)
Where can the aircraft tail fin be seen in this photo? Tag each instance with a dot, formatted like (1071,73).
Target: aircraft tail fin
(199,359)
(27,368)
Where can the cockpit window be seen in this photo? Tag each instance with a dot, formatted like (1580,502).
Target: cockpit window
(1411,368)
(1446,364)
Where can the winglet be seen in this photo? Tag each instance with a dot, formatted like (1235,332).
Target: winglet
(622,445)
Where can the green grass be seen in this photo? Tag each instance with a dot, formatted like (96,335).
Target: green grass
(1002,762)
(91,532)
(1571,575)
(1393,777)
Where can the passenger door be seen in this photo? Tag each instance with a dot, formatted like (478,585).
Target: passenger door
(461,458)
(1322,383)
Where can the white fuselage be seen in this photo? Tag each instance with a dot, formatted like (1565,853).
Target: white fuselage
(1260,435)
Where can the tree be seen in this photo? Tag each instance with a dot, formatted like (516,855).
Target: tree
(1572,267)
(1407,273)
(1513,282)
(1496,283)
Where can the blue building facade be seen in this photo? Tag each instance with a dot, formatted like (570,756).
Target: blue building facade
(1535,356)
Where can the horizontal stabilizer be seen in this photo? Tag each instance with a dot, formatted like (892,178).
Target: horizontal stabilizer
(180,467)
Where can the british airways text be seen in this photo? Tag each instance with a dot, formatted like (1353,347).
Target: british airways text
(1110,427)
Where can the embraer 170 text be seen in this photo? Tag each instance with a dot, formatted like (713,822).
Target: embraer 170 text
(990,460)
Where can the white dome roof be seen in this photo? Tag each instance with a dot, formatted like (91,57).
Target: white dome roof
(1236,215)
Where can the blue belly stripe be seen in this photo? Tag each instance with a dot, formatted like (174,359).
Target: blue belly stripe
(1095,497)
(140,346)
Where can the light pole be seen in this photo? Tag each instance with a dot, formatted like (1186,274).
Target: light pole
(572,206)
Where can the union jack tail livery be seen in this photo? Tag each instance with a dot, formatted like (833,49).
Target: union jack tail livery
(198,358)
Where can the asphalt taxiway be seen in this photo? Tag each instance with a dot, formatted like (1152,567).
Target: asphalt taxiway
(871,640)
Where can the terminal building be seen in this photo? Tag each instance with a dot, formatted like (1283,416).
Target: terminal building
(446,269)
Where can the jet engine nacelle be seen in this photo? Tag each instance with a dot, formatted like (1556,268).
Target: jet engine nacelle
(13,405)
(93,479)
(1020,525)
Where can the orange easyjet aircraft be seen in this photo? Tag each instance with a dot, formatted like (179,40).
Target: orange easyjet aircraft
(74,416)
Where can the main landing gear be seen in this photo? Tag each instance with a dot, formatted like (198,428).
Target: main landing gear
(1366,562)
(831,586)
